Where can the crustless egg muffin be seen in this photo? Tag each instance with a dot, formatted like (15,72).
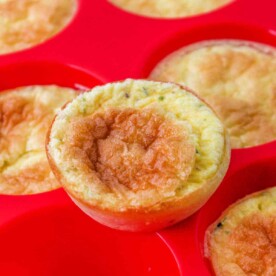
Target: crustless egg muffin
(169,8)
(25,116)
(237,78)
(138,155)
(243,240)
(25,23)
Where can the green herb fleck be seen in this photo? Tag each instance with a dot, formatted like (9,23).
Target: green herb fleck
(145,91)
(161,98)
(83,110)
(197,151)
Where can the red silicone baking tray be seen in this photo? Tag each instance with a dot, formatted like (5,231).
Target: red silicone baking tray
(46,234)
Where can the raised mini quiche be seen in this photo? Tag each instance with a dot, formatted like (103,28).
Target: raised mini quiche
(138,155)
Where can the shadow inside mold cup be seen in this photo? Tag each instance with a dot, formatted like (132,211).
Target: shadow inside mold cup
(33,74)
(198,34)
(248,180)
(46,73)
(64,241)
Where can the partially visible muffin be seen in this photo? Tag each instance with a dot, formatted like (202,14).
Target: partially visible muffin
(25,116)
(169,9)
(243,240)
(237,78)
(25,23)
(138,155)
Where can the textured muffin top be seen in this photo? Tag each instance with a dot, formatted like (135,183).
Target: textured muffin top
(237,78)
(243,240)
(135,144)
(25,116)
(169,8)
(25,23)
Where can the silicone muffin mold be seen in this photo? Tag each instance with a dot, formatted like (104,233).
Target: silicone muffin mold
(46,234)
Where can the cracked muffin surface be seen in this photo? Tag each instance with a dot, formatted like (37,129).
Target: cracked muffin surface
(25,116)
(169,9)
(136,147)
(243,240)
(25,23)
(237,78)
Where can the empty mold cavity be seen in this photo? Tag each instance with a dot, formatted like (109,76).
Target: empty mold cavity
(64,241)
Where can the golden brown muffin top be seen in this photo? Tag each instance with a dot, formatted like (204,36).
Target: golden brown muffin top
(138,149)
(25,23)
(25,116)
(237,78)
(169,9)
(243,241)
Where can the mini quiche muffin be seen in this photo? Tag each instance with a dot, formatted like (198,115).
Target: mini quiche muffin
(237,78)
(243,240)
(25,23)
(138,155)
(26,114)
(169,9)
